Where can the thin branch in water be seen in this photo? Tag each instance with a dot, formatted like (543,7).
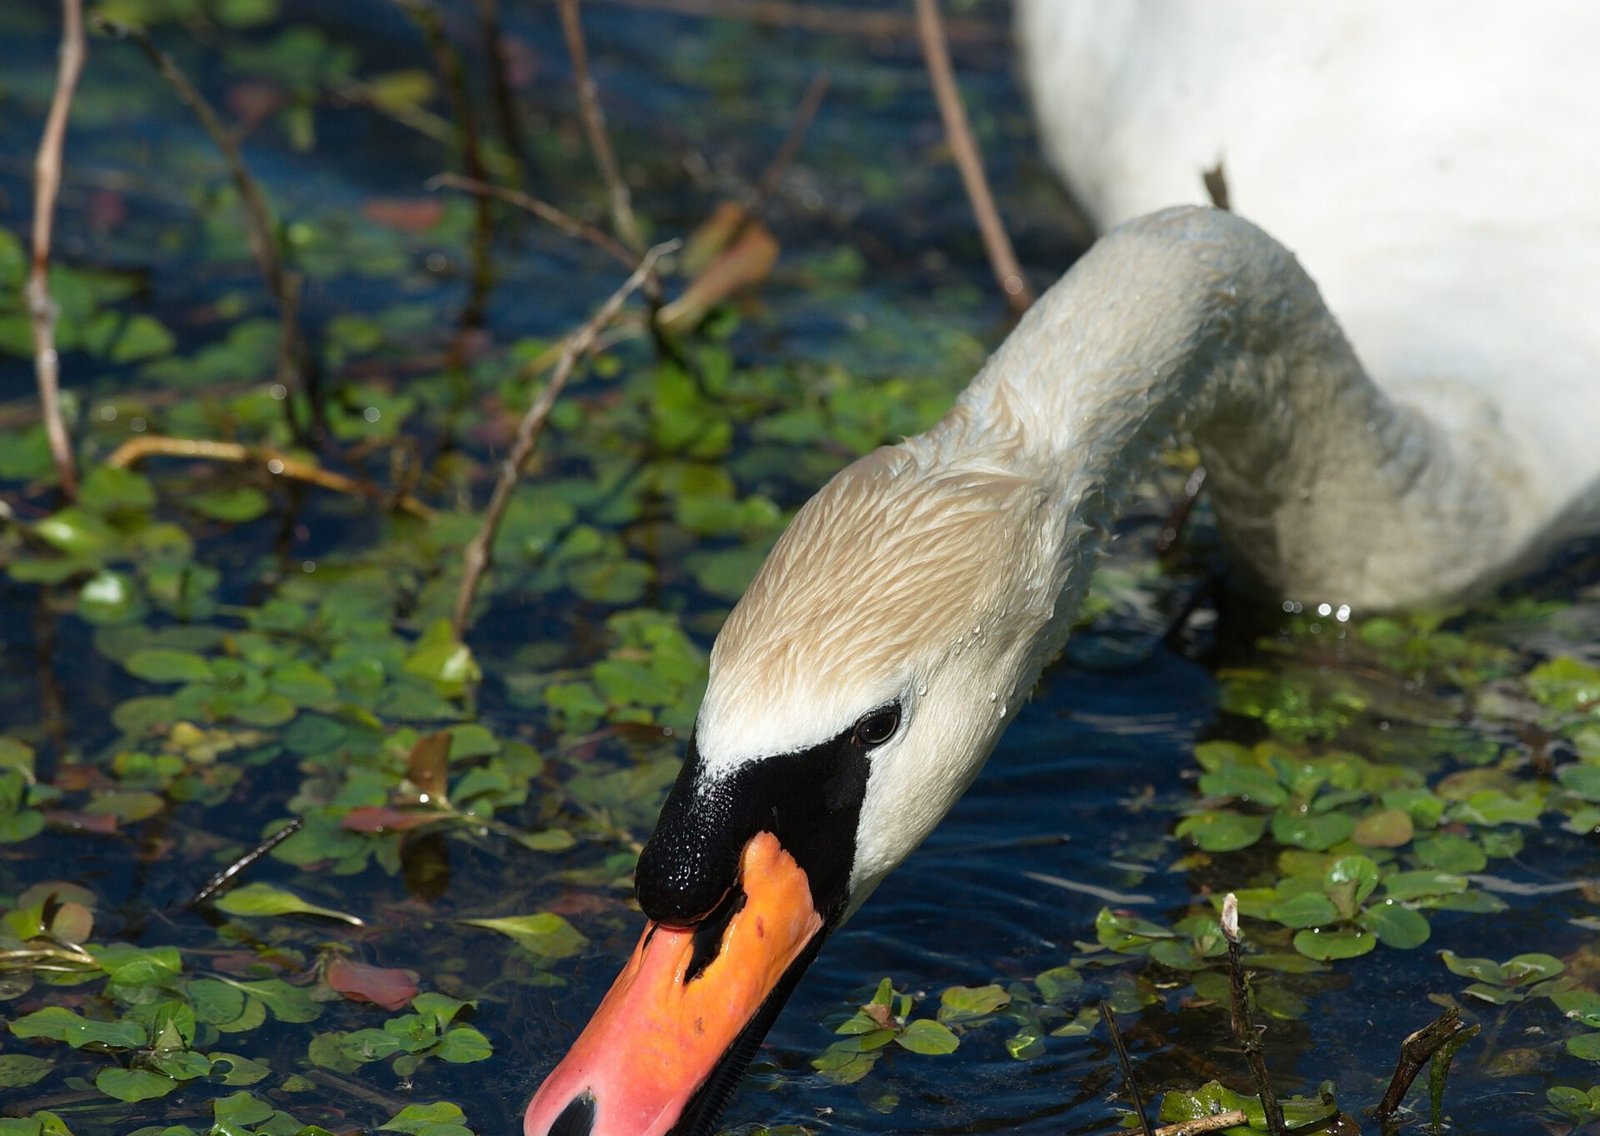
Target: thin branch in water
(594,125)
(224,878)
(42,309)
(453,75)
(546,212)
(1204,1124)
(477,556)
(1126,1062)
(804,115)
(1002,259)
(135,450)
(505,105)
(1244,1026)
(293,369)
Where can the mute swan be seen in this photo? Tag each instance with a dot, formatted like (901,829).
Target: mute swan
(906,613)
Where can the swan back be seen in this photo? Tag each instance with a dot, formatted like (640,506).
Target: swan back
(1424,160)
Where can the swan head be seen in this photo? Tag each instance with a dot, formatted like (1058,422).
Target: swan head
(854,693)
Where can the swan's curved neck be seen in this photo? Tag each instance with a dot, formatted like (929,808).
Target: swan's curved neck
(1325,488)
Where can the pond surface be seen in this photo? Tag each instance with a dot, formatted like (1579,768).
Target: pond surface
(199,650)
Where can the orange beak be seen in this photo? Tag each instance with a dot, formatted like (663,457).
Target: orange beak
(648,1062)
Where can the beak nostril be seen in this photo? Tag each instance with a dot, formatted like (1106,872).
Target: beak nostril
(577,1119)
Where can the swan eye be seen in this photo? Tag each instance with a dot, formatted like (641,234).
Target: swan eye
(877,727)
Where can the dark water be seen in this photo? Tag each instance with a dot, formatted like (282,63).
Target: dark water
(1085,787)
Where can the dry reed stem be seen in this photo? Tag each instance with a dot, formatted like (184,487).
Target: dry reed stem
(594,125)
(1245,1029)
(799,126)
(1204,1124)
(1002,259)
(505,103)
(1128,1079)
(135,450)
(292,371)
(543,210)
(477,555)
(42,309)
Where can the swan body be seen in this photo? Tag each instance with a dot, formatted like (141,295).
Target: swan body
(899,622)
(1427,162)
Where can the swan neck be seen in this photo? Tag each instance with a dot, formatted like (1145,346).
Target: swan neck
(1195,320)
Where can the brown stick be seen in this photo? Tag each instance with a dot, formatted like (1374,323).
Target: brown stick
(804,114)
(1204,1124)
(42,309)
(477,556)
(505,103)
(135,450)
(1415,1052)
(965,151)
(566,222)
(224,878)
(453,77)
(293,355)
(1126,1062)
(1244,1026)
(594,125)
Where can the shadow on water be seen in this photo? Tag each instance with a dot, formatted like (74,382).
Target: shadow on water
(878,310)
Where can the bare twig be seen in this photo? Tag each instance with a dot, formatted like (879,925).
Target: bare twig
(965,151)
(594,125)
(477,555)
(1244,1026)
(566,222)
(453,76)
(1126,1062)
(1205,1124)
(293,371)
(810,103)
(224,878)
(1445,1033)
(41,305)
(135,450)
(494,46)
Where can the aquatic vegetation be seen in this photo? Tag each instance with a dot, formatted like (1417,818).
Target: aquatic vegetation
(282,850)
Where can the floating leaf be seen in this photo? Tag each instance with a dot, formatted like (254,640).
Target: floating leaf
(134,1084)
(421,1119)
(1387,828)
(1396,926)
(964,1003)
(444,660)
(927,1036)
(18,1070)
(265,900)
(1335,943)
(388,987)
(60,1024)
(544,934)
(160,664)
(1447,852)
(1222,831)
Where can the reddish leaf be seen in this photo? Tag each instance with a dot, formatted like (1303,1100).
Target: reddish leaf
(254,101)
(374,818)
(102,825)
(408,214)
(382,986)
(745,263)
